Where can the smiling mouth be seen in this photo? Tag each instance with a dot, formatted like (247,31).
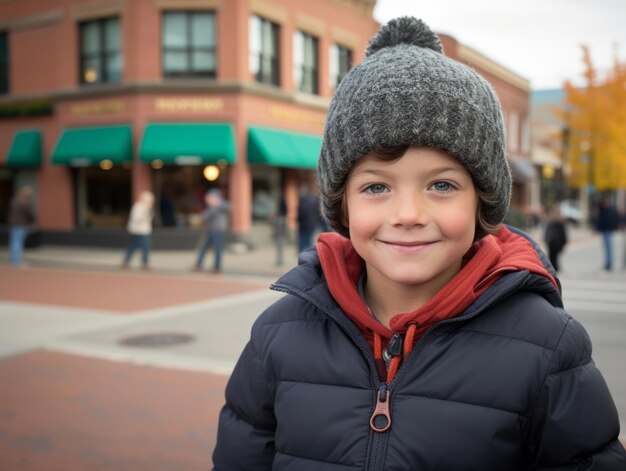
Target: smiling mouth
(407,245)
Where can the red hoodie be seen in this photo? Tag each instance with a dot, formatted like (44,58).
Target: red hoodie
(484,263)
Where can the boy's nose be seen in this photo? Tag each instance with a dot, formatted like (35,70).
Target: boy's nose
(409,210)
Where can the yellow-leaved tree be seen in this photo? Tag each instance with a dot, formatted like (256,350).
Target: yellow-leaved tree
(595,133)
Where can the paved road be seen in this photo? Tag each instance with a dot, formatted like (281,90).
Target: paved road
(76,392)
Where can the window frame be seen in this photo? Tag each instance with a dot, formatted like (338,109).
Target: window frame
(189,49)
(103,54)
(269,61)
(304,69)
(335,72)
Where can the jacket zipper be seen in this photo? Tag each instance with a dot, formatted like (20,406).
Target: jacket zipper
(381,419)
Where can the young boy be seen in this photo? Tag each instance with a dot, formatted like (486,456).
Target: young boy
(423,335)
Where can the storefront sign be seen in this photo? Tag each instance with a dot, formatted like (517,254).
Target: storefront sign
(99,108)
(80,162)
(293,115)
(188,160)
(198,105)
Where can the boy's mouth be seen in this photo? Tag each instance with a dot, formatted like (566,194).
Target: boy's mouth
(407,246)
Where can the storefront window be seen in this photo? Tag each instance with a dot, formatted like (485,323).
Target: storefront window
(179,191)
(7,189)
(100,51)
(4,62)
(189,44)
(103,197)
(266,192)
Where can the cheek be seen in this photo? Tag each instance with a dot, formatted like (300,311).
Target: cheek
(461,223)
(358,221)
(358,218)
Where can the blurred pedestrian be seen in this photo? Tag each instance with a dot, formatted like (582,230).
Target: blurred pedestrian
(606,223)
(278,222)
(140,228)
(309,217)
(21,218)
(555,235)
(215,224)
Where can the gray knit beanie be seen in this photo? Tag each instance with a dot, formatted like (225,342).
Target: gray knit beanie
(406,92)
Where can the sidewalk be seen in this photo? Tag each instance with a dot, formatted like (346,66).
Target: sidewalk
(258,262)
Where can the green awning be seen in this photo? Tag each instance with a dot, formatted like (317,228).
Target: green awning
(283,148)
(188,143)
(25,150)
(81,147)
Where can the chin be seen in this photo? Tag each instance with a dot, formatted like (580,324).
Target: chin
(405,278)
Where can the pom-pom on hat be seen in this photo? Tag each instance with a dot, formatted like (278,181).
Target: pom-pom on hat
(407,92)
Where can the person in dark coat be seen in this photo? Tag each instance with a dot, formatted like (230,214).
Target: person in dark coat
(21,218)
(555,236)
(215,222)
(607,222)
(422,334)
(309,217)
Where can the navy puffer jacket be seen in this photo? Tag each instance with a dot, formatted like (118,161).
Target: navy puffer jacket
(509,384)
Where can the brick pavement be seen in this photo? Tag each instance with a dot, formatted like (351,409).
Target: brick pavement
(63,412)
(124,292)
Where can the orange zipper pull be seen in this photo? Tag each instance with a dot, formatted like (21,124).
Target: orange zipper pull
(381,419)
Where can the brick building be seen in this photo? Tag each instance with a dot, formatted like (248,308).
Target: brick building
(102,99)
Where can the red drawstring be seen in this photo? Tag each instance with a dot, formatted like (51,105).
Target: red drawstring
(378,348)
(394,362)
(409,339)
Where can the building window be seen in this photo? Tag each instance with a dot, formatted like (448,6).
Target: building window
(525,135)
(264,54)
(305,63)
(340,64)
(4,63)
(513,131)
(100,51)
(189,44)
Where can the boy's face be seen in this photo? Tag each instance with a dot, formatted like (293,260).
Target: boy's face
(411,219)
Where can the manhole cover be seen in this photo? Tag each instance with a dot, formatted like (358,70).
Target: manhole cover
(162,339)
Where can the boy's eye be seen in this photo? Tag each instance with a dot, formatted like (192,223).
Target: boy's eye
(442,186)
(376,188)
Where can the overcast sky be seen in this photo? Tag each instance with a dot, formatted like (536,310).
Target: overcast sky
(538,39)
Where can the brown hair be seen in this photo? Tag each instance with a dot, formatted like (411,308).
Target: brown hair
(336,214)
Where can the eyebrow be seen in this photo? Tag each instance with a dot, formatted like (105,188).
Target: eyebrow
(378,171)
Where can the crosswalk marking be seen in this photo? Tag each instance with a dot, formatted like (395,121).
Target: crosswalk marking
(594,295)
